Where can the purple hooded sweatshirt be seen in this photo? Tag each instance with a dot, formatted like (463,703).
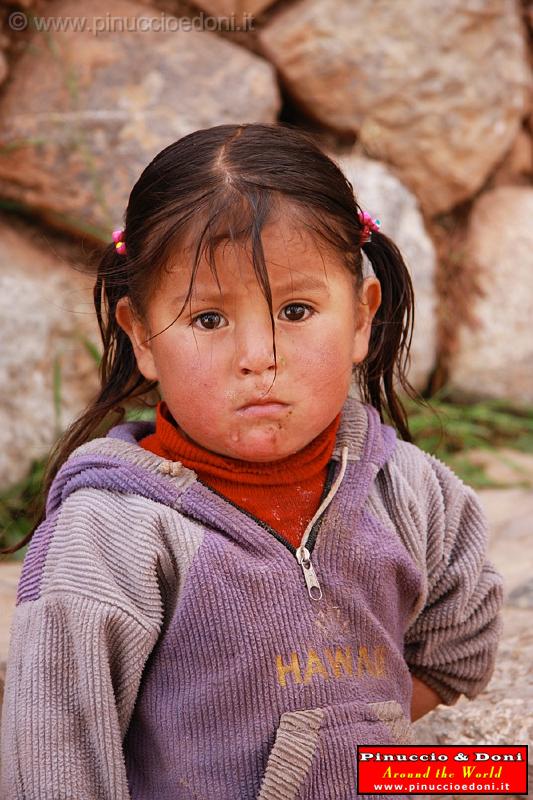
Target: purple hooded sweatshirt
(167,644)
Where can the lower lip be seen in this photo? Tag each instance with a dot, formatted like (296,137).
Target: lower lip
(266,410)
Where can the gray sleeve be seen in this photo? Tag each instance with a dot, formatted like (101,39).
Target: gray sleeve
(76,657)
(451,645)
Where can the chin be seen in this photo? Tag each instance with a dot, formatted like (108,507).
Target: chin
(260,451)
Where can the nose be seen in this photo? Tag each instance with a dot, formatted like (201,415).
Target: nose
(254,348)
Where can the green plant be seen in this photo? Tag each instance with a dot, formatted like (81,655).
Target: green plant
(450,430)
(16,508)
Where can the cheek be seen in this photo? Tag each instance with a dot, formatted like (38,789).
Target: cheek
(328,354)
(186,373)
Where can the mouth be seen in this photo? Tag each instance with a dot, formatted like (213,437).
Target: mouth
(261,408)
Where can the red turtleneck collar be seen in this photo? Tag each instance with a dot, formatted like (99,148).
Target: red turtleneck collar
(285,493)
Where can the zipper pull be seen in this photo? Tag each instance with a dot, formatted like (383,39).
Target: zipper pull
(303,557)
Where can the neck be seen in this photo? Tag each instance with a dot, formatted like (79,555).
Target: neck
(284,493)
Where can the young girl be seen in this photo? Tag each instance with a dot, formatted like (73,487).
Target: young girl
(223,605)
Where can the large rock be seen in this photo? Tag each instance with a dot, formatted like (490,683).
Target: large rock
(517,166)
(436,89)
(85,113)
(380,193)
(45,314)
(495,359)
(3,67)
(234,8)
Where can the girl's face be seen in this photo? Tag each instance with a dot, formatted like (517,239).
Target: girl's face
(215,363)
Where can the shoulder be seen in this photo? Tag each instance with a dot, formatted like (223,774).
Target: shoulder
(104,518)
(102,545)
(448,509)
(101,495)
(428,504)
(424,476)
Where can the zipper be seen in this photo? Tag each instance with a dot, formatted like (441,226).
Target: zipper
(308,541)
(332,466)
(303,556)
(303,553)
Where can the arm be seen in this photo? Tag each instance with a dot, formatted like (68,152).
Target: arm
(73,673)
(81,634)
(424,699)
(451,645)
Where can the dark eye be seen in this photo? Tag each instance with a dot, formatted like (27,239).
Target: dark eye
(295,311)
(209,320)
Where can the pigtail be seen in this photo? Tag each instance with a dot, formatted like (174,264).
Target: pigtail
(390,339)
(120,380)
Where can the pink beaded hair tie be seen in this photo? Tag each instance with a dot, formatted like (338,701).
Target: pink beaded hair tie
(120,244)
(369,225)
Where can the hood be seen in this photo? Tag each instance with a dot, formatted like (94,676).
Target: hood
(117,463)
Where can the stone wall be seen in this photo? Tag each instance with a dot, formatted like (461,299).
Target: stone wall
(427,107)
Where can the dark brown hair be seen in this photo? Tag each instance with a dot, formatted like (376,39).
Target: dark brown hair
(224,183)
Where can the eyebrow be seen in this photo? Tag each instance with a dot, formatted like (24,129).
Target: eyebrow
(297,285)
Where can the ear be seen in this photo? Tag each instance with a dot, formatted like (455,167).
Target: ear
(137,333)
(368,305)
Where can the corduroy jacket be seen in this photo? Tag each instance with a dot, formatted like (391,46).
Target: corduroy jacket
(166,644)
